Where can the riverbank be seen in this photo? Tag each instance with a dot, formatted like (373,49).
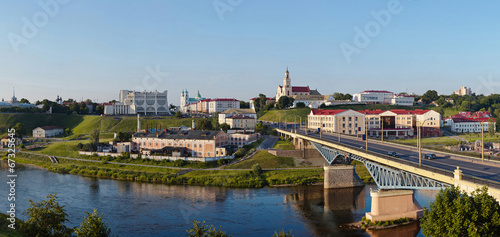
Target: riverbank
(166,175)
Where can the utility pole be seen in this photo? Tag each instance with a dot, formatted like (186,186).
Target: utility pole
(366,134)
(419,132)
(482,142)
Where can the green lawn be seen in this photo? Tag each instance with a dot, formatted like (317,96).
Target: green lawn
(286,115)
(284,145)
(265,160)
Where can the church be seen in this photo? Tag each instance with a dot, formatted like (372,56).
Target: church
(288,90)
(185,100)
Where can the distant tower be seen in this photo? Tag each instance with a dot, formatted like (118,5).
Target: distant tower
(287,84)
(138,122)
(184,99)
(198,96)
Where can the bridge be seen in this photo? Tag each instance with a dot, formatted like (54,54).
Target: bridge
(396,178)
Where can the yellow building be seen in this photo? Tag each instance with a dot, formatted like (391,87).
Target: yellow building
(241,122)
(344,121)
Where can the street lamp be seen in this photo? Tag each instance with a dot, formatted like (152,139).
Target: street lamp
(366,134)
(419,141)
(482,142)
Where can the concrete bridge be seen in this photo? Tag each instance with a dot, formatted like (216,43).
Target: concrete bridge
(396,178)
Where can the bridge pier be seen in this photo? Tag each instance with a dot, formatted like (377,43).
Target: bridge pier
(393,204)
(341,176)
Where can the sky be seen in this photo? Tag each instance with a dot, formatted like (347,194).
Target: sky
(240,48)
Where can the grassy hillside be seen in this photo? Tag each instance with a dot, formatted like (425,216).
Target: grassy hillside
(287,115)
(266,161)
(83,124)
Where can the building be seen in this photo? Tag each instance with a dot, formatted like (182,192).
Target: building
(383,97)
(312,101)
(47,131)
(134,102)
(465,122)
(344,121)
(8,139)
(192,143)
(288,90)
(212,106)
(463,91)
(13,102)
(396,123)
(240,139)
(185,100)
(231,112)
(241,122)
(252,102)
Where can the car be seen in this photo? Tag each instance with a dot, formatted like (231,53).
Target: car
(430,156)
(393,153)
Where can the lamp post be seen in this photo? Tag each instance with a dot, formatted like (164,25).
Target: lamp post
(366,134)
(482,142)
(419,141)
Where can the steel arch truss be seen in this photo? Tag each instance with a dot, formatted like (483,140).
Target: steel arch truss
(329,154)
(384,177)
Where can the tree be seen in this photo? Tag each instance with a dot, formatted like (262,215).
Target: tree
(93,226)
(99,109)
(491,126)
(178,114)
(256,169)
(123,137)
(300,105)
(46,218)
(244,105)
(285,102)
(203,230)
(429,96)
(94,137)
(20,129)
(225,127)
(454,213)
(24,100)
(203,124)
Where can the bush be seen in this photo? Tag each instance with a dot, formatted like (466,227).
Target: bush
(257,170)
(240,152)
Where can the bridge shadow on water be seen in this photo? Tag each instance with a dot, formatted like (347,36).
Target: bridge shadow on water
(326,210)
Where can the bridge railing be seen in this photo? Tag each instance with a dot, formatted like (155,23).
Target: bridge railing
(470,178)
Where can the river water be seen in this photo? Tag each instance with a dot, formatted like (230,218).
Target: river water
(143,209)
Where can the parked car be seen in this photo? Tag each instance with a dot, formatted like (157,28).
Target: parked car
(430,156)
(393,153)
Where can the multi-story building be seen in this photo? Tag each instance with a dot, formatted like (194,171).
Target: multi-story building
(212,106)
(392,123)
(344,121)
(464,122)
(186,100)
(241,122)
(383,97)
(193,143)
(240,139)
(231,112)
(134,102)
(288,90)
(463,91)
(312,101)
(48,131)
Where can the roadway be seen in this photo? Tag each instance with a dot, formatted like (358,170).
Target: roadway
(473,167)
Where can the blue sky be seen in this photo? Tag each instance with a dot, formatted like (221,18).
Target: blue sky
(93,49)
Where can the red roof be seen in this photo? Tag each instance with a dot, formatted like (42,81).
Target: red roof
(327,112)
(300,89)
(224,100)
(404,111)
(470,117)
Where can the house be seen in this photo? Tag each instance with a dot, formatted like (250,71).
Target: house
(241,122)
(231,112)
(240,138)
(17,141)
(344,121)
(48,131)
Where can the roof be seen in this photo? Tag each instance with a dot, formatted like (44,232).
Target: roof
(239,116)
(50,127)
(376,91)
(368,112)
(470,117)
(402,95)
(182,134)
(315,92)
(327,112)
(300,89)
(238,111)
(404,111)
(224,99)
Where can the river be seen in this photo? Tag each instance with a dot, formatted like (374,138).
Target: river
(143,209)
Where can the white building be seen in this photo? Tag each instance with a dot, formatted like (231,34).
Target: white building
(48,131)
(463,91)
(15,103)
(465,122)
(134,102)
(230,112)
(383,97)
(288,90)
(312,101)
(220,105)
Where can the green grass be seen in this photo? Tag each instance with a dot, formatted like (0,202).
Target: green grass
(302,176)
(284,145)
(265,160)
(362,172)
(5,230)
(286,115)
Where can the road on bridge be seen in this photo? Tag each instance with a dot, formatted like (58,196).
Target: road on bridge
(473,167)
